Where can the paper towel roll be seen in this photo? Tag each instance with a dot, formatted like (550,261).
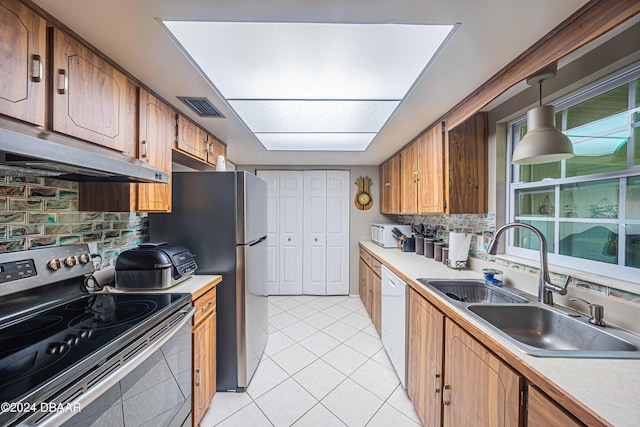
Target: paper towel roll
(459,249)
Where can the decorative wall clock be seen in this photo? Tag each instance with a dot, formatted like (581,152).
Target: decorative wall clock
(363,199)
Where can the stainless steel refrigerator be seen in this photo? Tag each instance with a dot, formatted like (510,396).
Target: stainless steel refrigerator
(221,218)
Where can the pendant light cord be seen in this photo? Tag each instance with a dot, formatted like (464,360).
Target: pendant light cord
(540,84)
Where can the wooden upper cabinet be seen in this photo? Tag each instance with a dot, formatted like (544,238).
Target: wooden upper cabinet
(444,173)
(468,180)
(191,139)
(544,412)
(89,95)
(431,171)
(215,148)
(479,389)
(409,179)
(390,186)
(156,127)
(154,137)
(22,69)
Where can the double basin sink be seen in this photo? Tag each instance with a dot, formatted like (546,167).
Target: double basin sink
(535,328)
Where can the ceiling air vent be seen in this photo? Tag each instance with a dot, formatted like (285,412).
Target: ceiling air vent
(202,106)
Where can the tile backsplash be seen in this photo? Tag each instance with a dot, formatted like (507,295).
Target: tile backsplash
(40,212)
(482,228)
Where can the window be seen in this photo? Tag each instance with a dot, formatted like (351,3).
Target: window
(587,207)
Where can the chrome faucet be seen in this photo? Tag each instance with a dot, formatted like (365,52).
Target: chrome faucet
(545,287)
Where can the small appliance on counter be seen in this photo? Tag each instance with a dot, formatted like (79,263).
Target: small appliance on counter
(154,265)
(382,234)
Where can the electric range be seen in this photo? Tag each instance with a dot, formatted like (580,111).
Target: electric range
(62,348)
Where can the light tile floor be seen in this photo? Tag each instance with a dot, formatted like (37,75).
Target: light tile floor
(323,366)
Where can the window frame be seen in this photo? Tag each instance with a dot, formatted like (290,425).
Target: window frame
(631,76)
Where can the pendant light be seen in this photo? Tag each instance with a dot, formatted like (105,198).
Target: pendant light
(543,143)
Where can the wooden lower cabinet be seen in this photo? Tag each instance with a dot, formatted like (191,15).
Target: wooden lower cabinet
(204,354)
(424,359)
(544,412)
(477,388)
(370,289)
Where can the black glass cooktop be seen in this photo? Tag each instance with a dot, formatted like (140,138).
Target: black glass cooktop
(38,348)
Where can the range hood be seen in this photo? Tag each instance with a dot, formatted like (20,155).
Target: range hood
(29,151)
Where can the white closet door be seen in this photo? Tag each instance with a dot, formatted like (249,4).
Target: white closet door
(314,269)
(291,237)
(273,229)
(337,232)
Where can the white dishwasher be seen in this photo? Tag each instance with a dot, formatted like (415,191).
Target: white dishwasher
(394,309)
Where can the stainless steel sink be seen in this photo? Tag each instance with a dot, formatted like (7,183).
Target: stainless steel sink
(473,291)
(542,331)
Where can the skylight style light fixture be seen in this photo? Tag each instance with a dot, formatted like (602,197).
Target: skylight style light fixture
(311,86)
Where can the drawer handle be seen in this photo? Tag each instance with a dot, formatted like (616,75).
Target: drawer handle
(63,82)
(207,306)
(446,395)
(436,384)
(36,72)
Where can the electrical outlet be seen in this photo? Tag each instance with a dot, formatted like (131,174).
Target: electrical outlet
(93,247)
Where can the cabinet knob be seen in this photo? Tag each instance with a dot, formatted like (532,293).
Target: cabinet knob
(316,239)
(446,395)
(289,239)
(36,71)
(63,82)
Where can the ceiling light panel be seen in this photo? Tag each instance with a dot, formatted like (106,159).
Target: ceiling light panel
(258,60)
(313,115)
(316,141)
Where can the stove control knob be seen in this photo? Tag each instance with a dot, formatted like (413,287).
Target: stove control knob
(55,264)
(85,258)
(70,261)
(53,349)
(71,340)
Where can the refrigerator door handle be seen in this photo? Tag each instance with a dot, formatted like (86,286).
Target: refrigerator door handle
(260,240)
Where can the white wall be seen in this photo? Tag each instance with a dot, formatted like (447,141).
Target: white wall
(359,221)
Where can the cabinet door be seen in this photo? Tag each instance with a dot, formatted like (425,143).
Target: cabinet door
(215,148)
(201,370)
(376,301)
(155,135)
(385,187)
(479,389)
(395,188)
(430,171)
(543,412)
(362,288)
(22,69)
(89,95)
(409,174)
(191,139)
(291,237)
(425,353)
(211,359)
(467,168)
(314,269)
(338,202)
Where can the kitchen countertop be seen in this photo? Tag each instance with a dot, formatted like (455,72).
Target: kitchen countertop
(595,390)
(196,285)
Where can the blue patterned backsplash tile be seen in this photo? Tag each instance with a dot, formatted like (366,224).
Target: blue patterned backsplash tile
(40,212)
(482,228)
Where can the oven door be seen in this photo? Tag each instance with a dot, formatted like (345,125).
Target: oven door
(152,388)
(157,392)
